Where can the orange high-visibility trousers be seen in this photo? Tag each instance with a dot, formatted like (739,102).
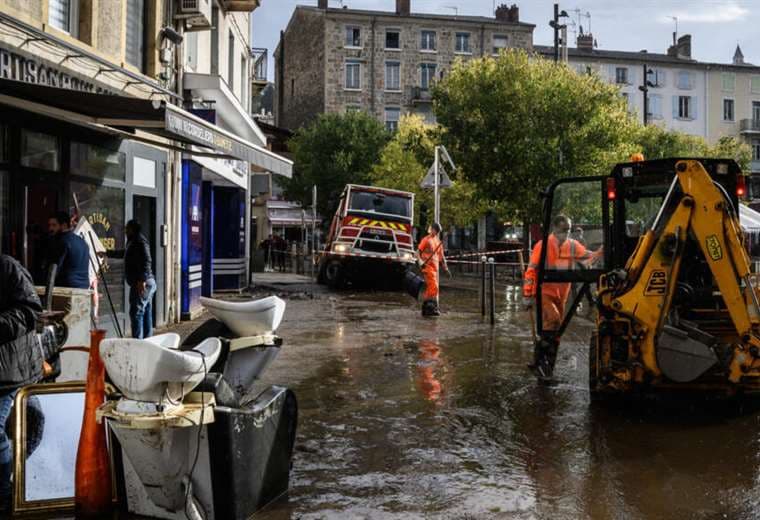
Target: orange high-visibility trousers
(430,272)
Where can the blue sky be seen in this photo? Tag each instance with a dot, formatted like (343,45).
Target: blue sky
(716,26)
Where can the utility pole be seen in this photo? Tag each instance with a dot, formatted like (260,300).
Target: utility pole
(436,190)
(554,24)
(644,88)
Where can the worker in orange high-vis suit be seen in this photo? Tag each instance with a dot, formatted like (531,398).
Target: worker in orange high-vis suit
(430,257)
(563,253)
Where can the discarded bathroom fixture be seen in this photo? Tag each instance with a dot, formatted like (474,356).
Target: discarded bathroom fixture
(191,445)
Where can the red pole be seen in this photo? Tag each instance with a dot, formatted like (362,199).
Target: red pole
(93,472)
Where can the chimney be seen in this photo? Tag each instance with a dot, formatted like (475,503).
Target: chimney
(322,4)
(585,42)
(508,14)
(682,48)
(403,7)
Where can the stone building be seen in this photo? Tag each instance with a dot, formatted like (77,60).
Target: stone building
(382,62)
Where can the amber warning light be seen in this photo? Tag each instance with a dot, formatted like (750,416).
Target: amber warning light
(611,189)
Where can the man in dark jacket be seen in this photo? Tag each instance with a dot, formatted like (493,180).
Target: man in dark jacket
(138,268)
(71,254)
(21,358)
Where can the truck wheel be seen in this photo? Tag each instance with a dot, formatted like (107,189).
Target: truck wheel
(593,357)
(334,274)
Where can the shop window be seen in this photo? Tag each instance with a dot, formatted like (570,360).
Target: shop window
(144,172)
(135,50)
(64,15)
(40,151)
(103,207)
(97,162)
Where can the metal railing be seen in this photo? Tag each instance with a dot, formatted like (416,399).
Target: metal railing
(750,125)
(260,63)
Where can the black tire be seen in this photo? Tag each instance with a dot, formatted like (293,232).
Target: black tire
(334,274)
(593,357)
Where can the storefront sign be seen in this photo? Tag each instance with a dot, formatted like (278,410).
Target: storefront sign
(21,66)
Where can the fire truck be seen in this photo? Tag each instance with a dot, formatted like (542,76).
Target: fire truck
(370,238)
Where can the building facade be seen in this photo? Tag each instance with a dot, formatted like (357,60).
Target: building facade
(338,60)
(92,121)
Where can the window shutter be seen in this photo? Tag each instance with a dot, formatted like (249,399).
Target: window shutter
(611,73)
(675,107)
(632,76)
(692,79)
(661,78)
(693,107)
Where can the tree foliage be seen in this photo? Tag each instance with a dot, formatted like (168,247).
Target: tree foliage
(404,163)
(334,150)
(516,123)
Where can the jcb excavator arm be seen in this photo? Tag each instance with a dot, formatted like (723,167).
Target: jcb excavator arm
(697,211)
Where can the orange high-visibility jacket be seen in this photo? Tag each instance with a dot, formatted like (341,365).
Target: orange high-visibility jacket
(558,257)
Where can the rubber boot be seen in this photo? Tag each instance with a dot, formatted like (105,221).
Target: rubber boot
(544,357)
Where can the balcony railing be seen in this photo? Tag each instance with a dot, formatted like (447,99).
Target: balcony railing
(750,125)
(260,63)
(420,95)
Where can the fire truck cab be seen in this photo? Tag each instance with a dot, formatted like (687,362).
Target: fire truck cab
(370,238)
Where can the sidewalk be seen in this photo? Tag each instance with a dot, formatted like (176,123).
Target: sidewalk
(286,283)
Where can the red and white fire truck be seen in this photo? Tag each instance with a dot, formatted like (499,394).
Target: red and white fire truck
(370,238)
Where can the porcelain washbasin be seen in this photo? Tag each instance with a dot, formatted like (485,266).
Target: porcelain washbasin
(154,371)
(250,318)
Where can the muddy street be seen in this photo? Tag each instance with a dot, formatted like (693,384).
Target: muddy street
(402,417)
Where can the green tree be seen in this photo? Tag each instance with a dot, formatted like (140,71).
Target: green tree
(334,150)
(516,123)
(405,161)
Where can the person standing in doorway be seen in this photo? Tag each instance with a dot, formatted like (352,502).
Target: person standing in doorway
(138,267)
(21,362)
(431,256)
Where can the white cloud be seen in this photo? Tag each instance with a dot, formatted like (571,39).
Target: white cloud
(709,14)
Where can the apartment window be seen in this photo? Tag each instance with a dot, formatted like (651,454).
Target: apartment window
(655,106)
(756,149)
(427,75)
(64,15)
(621,75)
(728,110)
(755,84)
(756,111)
(728,81)
(191,49)
(684,80)
(428,42)
(500,43)
(462,42)
(392,116)
(244,78)
(353,36)
(135,49)
(392,40)
(353,75)
(657,77)
(685,107)
(231,60)
(392,75)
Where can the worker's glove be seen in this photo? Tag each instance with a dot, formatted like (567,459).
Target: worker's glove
(527,302)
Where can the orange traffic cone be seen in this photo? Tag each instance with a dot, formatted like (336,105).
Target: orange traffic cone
(93,473)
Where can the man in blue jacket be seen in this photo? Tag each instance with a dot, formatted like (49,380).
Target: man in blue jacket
(71,254)
(21,358)
(138,267)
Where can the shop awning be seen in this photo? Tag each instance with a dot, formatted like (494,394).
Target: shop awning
(131,114)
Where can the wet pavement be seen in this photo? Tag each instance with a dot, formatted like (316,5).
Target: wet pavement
(402,417)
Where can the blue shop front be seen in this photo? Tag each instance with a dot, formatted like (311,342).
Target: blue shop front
(216,221)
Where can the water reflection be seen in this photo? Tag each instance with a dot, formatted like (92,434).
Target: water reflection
(428,384)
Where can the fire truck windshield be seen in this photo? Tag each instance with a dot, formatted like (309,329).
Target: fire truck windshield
(380,204)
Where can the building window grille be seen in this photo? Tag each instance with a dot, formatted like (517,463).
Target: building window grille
(64,15)
(392,116)
(393,75)
(353,36)
(500,43)
(728,110)
(621,75)
(353,75)
(392,40)
(428,42)
(427,75)
(135,48)
(463,42)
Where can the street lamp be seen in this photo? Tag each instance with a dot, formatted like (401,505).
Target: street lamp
(645,89)
(554,24)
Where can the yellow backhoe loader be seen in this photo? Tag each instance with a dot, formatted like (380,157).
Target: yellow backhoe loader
(671,283)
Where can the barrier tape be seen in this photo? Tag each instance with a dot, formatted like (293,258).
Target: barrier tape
(487,253)
(470,262)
